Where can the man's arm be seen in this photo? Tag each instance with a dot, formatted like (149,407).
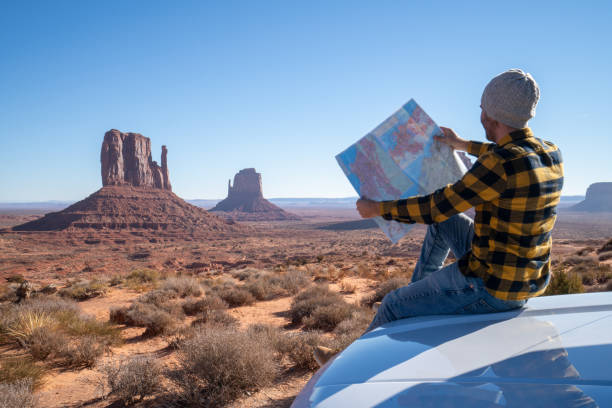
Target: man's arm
(453,140)
(485,181)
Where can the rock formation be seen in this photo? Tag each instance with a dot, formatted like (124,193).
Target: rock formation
(245,200)
(136,195)
(598,199)
(126,161)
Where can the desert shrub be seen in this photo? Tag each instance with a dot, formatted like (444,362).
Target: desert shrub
(45,341)
(7,293)
(383,288)
(347,286)
(265,287)
(18,394)
(235,296)
(310,299)
(15,278)
(133,379)
(183,286)
(116,280)
(84,290)
(19,369)
(604,256)
(157,297)
(326,318)
(141,279)
(243,274)
(24,323)
(155,320)
(347,331)
(326,272)
(217,365)
(294,280)
(584,261)
(607,247)
(209,302)
(563,282)
(299,348)
(83,352)
(215,317)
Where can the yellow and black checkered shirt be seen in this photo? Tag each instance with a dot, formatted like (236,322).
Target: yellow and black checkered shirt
(514,187)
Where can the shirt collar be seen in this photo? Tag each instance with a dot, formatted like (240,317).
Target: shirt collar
(516,135)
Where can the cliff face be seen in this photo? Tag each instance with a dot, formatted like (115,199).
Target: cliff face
(245,200)
(598,199)
(126,161)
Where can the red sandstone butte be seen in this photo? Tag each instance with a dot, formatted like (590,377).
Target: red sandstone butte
(245,201)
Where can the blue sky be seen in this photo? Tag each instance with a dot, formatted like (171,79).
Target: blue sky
(282,86)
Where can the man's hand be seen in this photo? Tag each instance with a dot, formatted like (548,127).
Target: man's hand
(452,139)
(367,208)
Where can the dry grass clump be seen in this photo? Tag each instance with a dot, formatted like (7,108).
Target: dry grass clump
(326,318)
(183,286)
(604,256)
(235,296)
(326,272)
(7,293)
(15,278)
(20,368)
(597,275)
(315,297)
(84,290)
(215,317)
(607,247)
(563,282)
(133,379)
(383,288)
(155,320)
(349,330)
(49,327)
(209,302)
(265,286)
(142,279)
(347,287)
(157,297)
(299,348)
(18,394)
(219,364)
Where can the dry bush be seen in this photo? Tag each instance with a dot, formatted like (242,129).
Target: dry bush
(310,299)
(563,282)
(7,293)
(183,286)
(597,275)
(326,318)
(116,280)
(243,274)
(157,297)
(44,342)
(155,320)
(607,247)
(583,261)
(218,365)
(347,286)
(326,272)
(584,251)
(20,368)
(383,288)
(215,317)
(15,278)
(133,379)
(84,290)
(83,352)
(209,302)
(18,394)
(299,348)
(349,330)
(235,296)
(604,256)
(142,279)
(265,286)
(294,280)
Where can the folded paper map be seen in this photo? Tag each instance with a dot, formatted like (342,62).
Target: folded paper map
(400,159)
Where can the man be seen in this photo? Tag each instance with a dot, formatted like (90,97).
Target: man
(504,253)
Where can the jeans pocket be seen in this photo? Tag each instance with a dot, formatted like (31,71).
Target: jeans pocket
(479,306)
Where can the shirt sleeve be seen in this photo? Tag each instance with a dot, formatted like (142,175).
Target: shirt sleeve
(479,148)
(484,182)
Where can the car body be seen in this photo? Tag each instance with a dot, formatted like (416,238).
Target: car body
(554,352)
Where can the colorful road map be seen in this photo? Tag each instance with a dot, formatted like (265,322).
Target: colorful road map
(400,159)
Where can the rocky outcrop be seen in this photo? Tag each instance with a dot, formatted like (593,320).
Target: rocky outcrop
(598,199)
(136,196)
(126,161)
(245,201)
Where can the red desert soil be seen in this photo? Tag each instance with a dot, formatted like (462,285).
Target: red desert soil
(316,244)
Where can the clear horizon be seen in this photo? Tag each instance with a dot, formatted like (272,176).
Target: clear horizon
(281,87)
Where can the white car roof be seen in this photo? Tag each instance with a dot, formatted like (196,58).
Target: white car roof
(556,351)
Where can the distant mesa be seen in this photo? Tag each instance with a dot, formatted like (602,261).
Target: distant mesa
(136,195)
(598,199)
(245,201)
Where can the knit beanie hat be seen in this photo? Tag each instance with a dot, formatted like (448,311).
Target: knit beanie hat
(511,98)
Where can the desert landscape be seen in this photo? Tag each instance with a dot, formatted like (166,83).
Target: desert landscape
(134,296)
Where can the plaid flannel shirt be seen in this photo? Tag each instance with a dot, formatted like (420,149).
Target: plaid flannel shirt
(514,187)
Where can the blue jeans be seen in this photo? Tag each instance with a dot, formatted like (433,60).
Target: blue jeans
(442,290)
